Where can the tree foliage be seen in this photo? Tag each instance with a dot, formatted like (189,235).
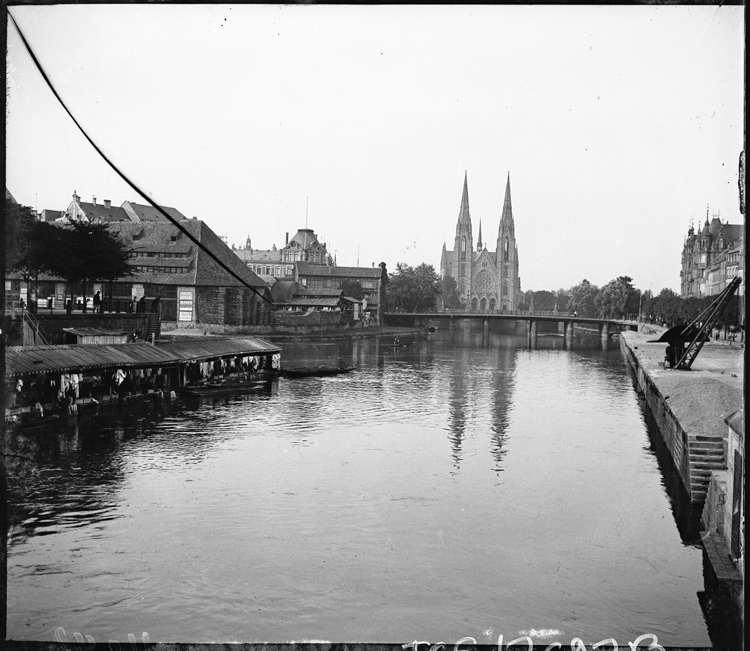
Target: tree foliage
(352,289)
(76,252)
(615,299)
(413,289)
(451,298)
(582,297)
(669,308)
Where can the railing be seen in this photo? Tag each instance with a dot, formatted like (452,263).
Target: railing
(33,333)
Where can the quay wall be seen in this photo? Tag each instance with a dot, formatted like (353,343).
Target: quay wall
(692,410)
(674,435)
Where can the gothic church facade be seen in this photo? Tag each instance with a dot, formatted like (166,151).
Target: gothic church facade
(486,280)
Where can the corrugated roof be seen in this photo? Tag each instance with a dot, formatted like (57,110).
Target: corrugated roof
(38,360)
(23,360)
(94,331)
(208,347)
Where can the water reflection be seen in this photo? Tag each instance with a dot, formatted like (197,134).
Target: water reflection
(444,487)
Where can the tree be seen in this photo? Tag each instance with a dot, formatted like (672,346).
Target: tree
(612,300)
(93,253)
(352,289)
(543,300)
(32,246)
(582,298)
(451,299)
(414,288)
(76,252)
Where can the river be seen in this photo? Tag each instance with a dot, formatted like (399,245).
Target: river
(441,490)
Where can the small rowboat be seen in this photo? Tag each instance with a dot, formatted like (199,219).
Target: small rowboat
(225,388)
(311,371)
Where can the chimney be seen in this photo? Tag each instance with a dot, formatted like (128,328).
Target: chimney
(107,203)
(93,200)
(286,239)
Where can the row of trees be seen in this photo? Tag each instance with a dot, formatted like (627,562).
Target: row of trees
(418,289)
(78,253)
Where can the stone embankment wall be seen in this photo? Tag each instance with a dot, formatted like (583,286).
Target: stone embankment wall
(675,437)
(692,410)
(689,406)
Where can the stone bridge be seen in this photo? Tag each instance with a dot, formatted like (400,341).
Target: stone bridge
(566,322)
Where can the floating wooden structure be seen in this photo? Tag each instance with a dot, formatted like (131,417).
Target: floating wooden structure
(47,380)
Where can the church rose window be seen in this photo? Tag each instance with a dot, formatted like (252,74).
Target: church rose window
(484,282)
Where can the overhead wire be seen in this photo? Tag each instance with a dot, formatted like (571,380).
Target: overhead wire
(122,175)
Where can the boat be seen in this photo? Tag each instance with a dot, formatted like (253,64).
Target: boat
(311,371)
(225,388)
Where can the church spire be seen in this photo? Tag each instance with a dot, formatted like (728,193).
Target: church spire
(507,208)
(479,240)
(463,213)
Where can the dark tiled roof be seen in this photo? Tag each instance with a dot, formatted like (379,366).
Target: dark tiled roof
(304,237)
(146,213)
(97,211)
(256,255)
(208,272)
(307,269)
(157,237)
(732,231)
(51,215)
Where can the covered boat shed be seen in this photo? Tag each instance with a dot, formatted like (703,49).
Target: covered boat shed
(41,378)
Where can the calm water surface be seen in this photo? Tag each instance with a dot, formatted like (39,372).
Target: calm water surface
(439,491)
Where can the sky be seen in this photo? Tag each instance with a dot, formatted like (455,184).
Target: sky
(619,126)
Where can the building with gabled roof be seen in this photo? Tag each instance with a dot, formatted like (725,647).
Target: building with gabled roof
(373,282)
(278,264)
(192,289)
(139,212)
(485,280)
(703,253)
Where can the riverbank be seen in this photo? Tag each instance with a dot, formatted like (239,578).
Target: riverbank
(701,420)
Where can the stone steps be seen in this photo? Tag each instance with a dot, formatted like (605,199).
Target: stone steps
(705,454)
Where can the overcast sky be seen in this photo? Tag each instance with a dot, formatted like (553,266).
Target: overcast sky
(618,125)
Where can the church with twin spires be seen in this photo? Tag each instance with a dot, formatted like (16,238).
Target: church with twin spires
(486,280)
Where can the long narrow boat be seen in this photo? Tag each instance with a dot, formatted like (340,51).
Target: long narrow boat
(225,388)
(310,371)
